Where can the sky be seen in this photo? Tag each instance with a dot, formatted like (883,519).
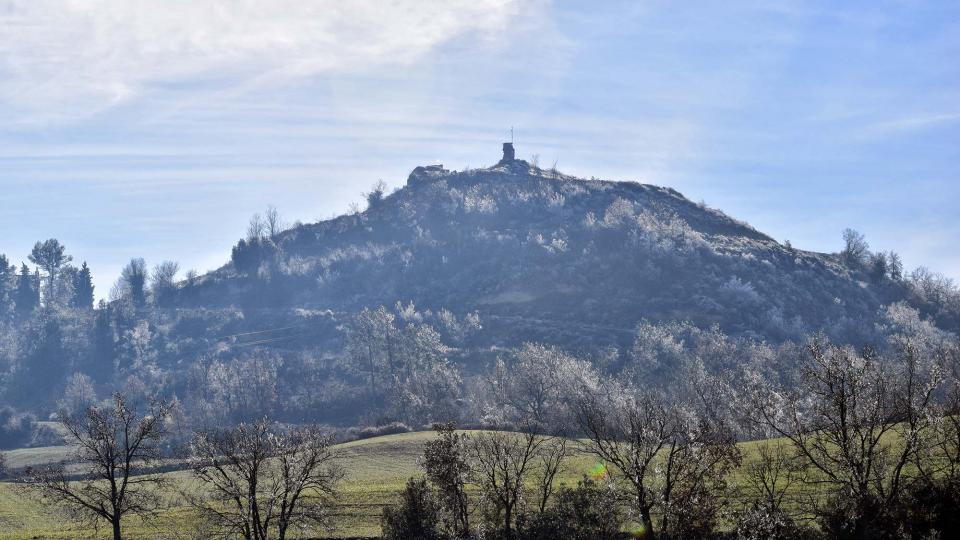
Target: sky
(155,129)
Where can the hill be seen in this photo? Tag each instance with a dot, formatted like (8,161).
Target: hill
(542,256)
(403,312)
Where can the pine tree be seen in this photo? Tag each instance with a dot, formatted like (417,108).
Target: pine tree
(83,288)
(27,296)
(50,256)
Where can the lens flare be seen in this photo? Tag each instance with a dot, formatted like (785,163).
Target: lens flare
(598,471)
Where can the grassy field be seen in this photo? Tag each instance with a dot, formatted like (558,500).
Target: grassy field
(376,470)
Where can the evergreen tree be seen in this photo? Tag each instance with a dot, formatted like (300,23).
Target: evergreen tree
(27,296)
(8,274)
(83,288)
(103,349)
(896,266)
(43,360)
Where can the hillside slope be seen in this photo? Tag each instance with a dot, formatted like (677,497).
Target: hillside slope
(539,255)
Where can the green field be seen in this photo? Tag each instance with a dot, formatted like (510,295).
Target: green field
(376,470)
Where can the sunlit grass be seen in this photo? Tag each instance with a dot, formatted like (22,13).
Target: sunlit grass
(376,471)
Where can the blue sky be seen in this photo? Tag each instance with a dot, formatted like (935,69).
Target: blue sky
(156,129)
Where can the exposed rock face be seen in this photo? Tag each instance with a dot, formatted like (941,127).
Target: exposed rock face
(426,173)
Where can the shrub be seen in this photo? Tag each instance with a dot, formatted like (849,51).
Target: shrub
(392,428)
(248,255)
(693,517)
(764,522)
(845,517)
(930,509)
(416,516)
(589,511)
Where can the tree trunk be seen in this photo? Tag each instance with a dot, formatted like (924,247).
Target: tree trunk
(648,523)
(116,528)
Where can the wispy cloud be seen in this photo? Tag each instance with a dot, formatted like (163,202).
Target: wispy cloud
(71,58)
(908,123)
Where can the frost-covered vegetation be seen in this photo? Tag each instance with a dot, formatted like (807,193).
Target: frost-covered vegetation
(391,314)
(515,298)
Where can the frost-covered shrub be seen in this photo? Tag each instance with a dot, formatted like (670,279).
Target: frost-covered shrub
(762,522)
(739,292)
(589,511)
(619,212)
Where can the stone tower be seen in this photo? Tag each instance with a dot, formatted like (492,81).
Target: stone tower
(508,153)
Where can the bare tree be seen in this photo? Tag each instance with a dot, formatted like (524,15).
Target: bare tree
(115,448)
(274,222)
(509,468)
(771,474)
(674,460)
(503,464)
(256,228)
(79,394)
(768,481)
(500,465)
(260,482)
(856,423)
(941,455)
(550,463)
(855,248)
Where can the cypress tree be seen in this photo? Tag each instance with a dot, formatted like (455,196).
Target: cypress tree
(83,288)
(103,351)
(27,296)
